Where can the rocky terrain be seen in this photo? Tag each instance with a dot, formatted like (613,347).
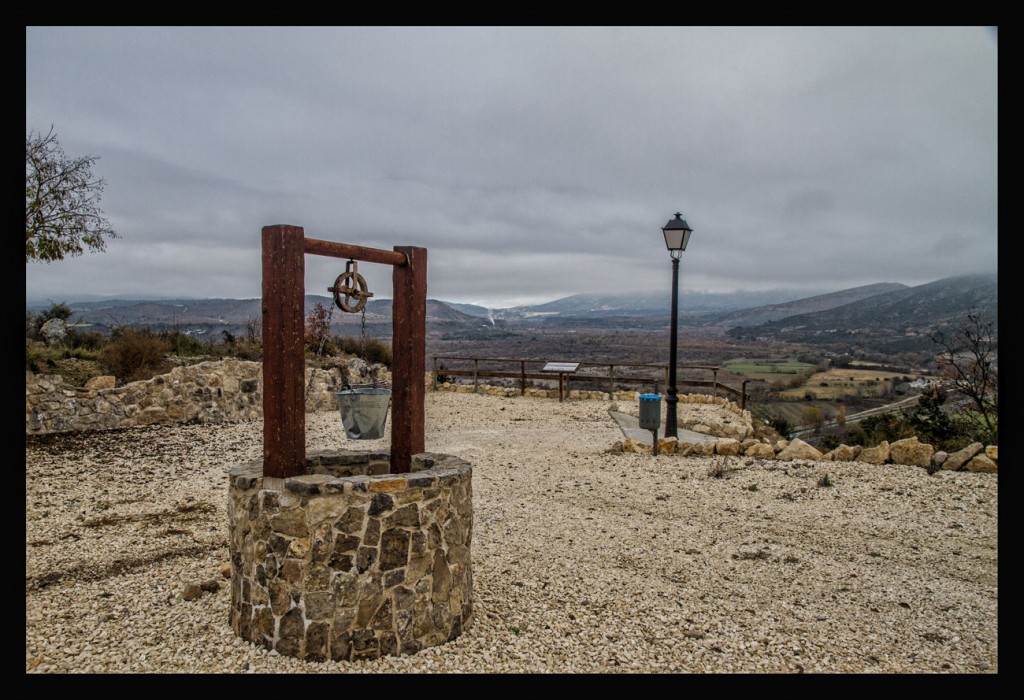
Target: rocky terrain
(584,561)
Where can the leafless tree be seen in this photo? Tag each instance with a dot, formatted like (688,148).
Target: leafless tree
(969,360)
(62,214)
(254,329)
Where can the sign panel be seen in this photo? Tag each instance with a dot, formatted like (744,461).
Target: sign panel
(561,367)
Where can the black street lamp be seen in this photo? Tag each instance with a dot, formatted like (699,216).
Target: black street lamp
(677,235)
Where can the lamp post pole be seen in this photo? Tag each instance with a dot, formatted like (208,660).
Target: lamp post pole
(671,398)
(677,235)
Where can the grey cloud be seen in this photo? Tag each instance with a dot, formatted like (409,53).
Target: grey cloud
(531,162)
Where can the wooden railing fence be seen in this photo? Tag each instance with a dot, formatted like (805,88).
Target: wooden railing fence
(606,375)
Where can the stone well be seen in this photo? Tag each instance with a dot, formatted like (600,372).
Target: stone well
(351,562)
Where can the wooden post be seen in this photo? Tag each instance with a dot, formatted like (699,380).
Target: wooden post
(433,375)
(714,382)
(408,358)
(743,396)
(474,375)
(522,378)
(611,382)
(284,410)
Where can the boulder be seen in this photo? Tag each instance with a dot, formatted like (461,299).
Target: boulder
(54,331)
(844,453)
(981,463)
(760,450)
(878,454)
(992,452)
(357,370)
(727,446)
(685,449)
(631,446)
(667,446)
(104,381)
(959,459)
(781,445)
(911,452)
(798,449)
(938,458)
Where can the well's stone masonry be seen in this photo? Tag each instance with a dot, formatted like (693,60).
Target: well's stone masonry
(350,562)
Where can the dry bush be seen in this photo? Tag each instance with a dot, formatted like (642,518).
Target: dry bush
(134,354)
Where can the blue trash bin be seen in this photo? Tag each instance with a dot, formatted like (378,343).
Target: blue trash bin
(650,411)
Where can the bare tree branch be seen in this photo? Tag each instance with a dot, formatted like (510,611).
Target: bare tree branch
(969,362)
(62,214)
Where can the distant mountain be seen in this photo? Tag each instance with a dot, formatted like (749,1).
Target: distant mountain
(202,316)
(895,321)
(471,309)
(822,302)
(657,303)
(887,316)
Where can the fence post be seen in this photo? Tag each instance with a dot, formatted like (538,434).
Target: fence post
(743,396)
(611,382)
(434,384)
(474,375)
(714,382)
(522,377)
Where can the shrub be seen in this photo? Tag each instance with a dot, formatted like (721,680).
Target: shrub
(813,417)
(184,345)
(134,354)
(34,322)
(85,340)
(38,358)
(780,425)
(828,441)
(318,330)
(853,434)
(887,426)
(373,350)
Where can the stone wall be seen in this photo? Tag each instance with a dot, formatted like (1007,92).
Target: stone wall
(911,452)
(350,562)
(208,392)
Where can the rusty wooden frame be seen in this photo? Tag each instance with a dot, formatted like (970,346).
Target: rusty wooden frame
(284,410)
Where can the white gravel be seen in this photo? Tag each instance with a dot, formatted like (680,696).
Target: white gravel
(583,561)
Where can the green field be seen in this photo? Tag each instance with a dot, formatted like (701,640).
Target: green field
(768,370)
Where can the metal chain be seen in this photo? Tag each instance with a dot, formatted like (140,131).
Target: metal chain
(362,336)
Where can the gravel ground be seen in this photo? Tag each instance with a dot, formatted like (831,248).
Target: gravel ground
(583,561)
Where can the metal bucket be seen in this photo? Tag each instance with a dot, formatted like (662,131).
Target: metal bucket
(364,412)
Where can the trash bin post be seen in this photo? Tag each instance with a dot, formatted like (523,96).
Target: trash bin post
(650,417)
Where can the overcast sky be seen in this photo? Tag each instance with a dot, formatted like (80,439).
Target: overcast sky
(532,163)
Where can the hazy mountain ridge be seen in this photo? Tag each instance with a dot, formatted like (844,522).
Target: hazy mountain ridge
(653,303)
(821,302)
(903,319)
(885,313)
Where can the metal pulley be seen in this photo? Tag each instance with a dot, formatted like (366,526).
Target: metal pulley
(350,289)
